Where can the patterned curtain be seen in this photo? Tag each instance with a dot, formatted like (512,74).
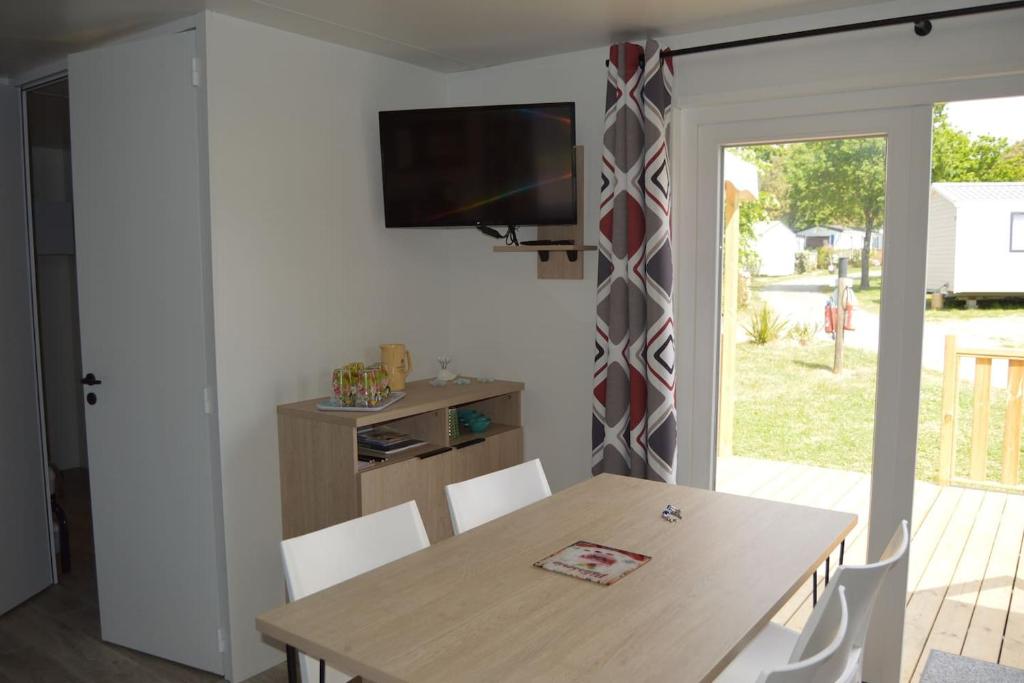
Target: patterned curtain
(634,416)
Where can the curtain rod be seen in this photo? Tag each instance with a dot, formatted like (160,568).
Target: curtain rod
(922,27)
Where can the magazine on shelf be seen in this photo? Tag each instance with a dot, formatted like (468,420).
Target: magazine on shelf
(383,440)
(593,562)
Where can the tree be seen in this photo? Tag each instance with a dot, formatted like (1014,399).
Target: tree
(769,160)
(842,182)
(838,182)
(959,158)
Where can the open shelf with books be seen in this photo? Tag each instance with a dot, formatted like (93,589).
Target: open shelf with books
(325,475)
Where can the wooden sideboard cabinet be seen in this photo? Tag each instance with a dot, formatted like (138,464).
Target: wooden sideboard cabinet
(323,482)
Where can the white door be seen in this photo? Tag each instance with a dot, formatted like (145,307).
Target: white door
(907,131)
(27,566)
(135,160)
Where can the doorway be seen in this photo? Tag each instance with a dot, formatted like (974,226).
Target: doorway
(802,272)
(969,498)
(64,630)
(51,211)
(896,143)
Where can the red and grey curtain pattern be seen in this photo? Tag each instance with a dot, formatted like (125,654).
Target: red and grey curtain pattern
(634,415)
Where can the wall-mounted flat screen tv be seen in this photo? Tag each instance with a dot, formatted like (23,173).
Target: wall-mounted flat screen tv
(465,166)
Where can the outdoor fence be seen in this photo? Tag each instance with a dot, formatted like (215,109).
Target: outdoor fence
(982,404)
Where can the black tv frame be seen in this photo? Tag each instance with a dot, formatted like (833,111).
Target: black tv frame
(572,133)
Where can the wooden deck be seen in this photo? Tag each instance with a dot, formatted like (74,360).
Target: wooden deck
(966,581)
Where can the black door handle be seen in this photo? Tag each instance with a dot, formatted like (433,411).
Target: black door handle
(90,380)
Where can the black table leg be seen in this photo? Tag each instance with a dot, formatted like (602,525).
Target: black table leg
(293,664)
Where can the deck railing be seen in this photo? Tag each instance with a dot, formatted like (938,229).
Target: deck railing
(977,476)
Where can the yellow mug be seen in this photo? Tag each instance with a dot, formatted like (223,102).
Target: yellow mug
(397,362)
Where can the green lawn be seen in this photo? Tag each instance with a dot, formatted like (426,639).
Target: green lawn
(791,407)
(871,300)
(989,310)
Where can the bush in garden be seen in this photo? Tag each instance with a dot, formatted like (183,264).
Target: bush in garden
(804,333)
(824,259)
(765,325)
(806,261)
(743,290)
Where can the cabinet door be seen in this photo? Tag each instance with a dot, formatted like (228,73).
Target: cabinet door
(422,480)
(435,473)
(390,485)
(495,453)
(473,461)
(507,448)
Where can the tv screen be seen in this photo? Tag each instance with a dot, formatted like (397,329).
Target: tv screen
(463,166)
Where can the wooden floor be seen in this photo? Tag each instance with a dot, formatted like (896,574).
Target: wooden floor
(55,636)
(966,579)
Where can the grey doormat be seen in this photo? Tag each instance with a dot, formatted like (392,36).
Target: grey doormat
(943,667)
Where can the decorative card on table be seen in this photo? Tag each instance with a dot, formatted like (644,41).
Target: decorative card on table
(593,562)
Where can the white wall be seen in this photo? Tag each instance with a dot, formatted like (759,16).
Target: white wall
(506,322)
(891,57)
(305,277)
(984,262)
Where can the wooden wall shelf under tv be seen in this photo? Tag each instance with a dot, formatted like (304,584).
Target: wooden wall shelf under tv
(559,261)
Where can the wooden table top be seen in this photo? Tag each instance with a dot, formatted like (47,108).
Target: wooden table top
(474,608)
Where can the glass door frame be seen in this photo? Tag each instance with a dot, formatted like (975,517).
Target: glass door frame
(908,155)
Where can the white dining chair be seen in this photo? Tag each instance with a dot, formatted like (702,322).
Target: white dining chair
(323,558)
(776,644)
(831,663)
(479,500)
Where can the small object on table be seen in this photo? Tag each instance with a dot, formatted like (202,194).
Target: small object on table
(358,386)
(444,374)
(474,420)
(462,380)
(397,362)
(671,513)
(343,383)
(485,379)
(593,562)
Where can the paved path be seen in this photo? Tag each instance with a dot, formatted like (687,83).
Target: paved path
(801,300)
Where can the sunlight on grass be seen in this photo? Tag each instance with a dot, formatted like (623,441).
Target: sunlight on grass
(1004,309)
(790,407)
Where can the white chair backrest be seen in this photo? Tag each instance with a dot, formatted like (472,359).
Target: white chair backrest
(862,583)
(828,665)
(323,558)
(477,501)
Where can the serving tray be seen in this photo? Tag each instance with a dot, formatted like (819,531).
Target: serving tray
(332,404)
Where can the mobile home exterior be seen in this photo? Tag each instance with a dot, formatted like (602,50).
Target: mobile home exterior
(976,239)
(776,248)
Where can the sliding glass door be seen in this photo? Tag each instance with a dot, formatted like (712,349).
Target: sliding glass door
(832,200)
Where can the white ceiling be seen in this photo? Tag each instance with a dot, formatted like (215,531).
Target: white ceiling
(444,35)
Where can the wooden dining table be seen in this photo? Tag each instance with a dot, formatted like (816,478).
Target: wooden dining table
(475,608)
